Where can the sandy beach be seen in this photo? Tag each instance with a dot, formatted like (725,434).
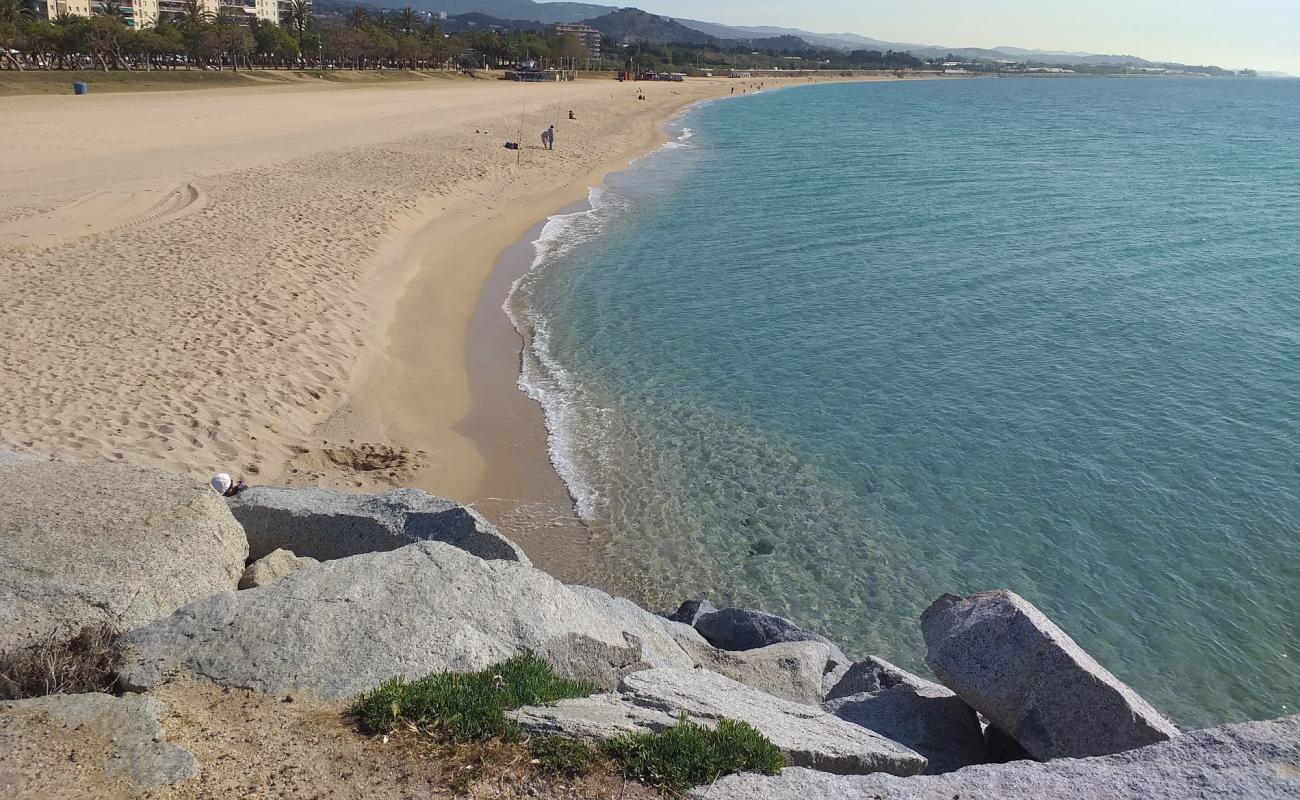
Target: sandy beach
(288,283)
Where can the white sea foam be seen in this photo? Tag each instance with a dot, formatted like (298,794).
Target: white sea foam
(542,377)
(573,417)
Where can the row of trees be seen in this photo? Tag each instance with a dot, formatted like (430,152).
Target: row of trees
(192,38)
(778,53)
(197,38)
(402,38)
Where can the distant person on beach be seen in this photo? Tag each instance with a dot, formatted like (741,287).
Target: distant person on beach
(548,138)
(226,486)
(571,115)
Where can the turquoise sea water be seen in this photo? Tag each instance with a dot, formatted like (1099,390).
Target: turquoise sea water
(840,349)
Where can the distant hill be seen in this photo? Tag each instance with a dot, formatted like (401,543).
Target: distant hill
(634,25)
(482,22)
(514,9)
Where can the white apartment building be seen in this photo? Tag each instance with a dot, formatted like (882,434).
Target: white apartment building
(144,13)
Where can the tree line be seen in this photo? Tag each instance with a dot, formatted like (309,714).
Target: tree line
(197,38)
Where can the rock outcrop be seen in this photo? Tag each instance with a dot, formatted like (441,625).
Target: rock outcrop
(83,545)
(344,626)
(930,720)
(654,699)
(327,525)
(1255,760)
(789,670)
(82,745)
(743,629)
(1016,667)
(871,675)
(912,711)
(272,567)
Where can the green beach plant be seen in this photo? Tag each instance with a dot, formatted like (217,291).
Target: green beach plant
(468,710)
(469,706)
(561,756)
(688,754)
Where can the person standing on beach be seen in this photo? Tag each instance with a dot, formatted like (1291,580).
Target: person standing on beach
(548,138)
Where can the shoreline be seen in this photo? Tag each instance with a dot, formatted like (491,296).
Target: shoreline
(493,432)
(284,286)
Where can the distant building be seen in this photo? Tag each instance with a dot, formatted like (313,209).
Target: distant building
(145,13)
(589,36)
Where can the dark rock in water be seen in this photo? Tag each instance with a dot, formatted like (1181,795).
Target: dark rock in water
(1013,665)
(912,711)
(326,525)
(747,629)
(1001,747)
(1249,761)
(691,610)
(85,544)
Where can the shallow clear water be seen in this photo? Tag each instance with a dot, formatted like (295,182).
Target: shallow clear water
(841,349)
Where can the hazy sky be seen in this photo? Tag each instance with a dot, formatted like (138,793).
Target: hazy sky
(1262,34)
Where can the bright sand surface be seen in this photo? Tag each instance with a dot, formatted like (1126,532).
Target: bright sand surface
(282,282)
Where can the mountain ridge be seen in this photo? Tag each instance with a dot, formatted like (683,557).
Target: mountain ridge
(552,12)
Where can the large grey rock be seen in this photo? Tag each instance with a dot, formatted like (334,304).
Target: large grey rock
(871,675)
(72,745)
(930,720)
(656,634)
(809,736)
(344,626)
(83,545)
(747,629)
(1013,665)
(272,567)
(789,670)
(912,711)
(594,719)
(326,525)
(1249,761)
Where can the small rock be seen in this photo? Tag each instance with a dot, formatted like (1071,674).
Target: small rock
(691,610)
(272,567)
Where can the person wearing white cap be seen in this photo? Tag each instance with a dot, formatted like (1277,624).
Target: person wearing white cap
(225,486)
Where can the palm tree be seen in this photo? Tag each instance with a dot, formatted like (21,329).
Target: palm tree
(13,10)
(300,16)
(358,17)
(112,9)
(407,20)
(193,13)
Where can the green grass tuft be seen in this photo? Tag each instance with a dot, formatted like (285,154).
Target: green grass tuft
(688,754)
(469,706)
(562,756)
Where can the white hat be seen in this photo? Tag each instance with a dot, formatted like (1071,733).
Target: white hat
(221,483)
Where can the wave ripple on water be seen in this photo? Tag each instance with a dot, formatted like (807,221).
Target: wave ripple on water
(838,350)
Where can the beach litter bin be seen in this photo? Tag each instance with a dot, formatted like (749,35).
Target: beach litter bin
(80,87)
